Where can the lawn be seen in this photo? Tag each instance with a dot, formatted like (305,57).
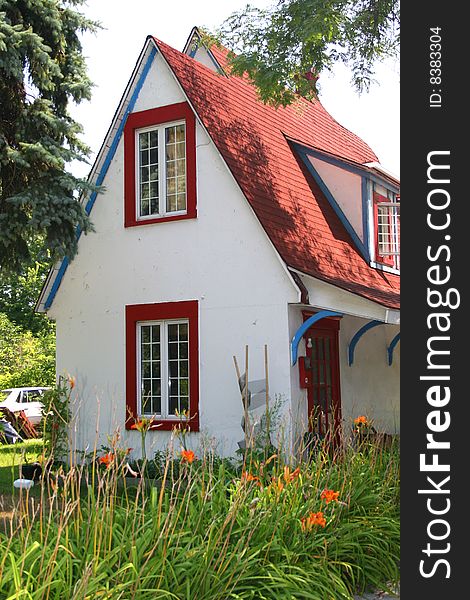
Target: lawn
(11,456)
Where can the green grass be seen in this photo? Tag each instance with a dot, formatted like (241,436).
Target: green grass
(207,533)
(11,456)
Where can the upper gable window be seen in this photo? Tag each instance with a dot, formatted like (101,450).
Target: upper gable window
(387,226)
(160,165)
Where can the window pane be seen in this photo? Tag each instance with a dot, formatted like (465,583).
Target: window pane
(145,369)
(170,186)
(171,203)
(175,156)
(184,387)
(170,152)
(144,174)
(180,150)
(183,368)
(170,135)
(173,405)
(153,173)
(178,366)
(148,172)
(173,332)
(171,168)
(145,334)
(156,369)
(183,331)
(143,141)
(180,132)
(154,139)
(181,202)
(173,368)
(181,168)
(150,384)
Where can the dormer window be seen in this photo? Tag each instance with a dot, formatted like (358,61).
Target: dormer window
(160,165)
(387,226)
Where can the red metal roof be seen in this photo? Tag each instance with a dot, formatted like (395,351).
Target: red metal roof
(295,214)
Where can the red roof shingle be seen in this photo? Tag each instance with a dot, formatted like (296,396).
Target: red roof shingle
(295,214)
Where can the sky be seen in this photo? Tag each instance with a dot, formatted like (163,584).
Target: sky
(112,53)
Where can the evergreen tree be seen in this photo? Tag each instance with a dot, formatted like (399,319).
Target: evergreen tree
(284,48)
(41,70)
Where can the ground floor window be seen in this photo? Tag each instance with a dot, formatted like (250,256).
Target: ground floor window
(162,364)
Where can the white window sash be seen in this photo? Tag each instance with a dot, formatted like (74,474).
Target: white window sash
(164,368)
(162,201)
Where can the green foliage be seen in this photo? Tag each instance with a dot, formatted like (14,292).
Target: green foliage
(41,70)
(25,359)
(207,533)
(57,414)
(284,48)
(19,293)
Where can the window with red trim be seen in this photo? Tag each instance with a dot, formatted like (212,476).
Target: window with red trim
(160,165)
(162,365)
(387,227)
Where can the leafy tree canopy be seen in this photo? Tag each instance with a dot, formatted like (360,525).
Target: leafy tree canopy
(25,360)
(19,293)
(284,48)
(41,70)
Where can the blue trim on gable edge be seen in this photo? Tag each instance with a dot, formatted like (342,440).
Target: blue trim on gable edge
(104,169)
(363,249)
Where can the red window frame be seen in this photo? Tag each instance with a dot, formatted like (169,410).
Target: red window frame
(147,118)
(380,258)
(137,313)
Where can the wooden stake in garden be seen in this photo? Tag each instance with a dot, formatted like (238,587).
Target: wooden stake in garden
(268,434)
(244,394)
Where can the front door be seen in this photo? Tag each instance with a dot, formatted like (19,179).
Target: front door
(323,391)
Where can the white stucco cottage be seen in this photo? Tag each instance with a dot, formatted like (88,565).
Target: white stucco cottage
(226,223)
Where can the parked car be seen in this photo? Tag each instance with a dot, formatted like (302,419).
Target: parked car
(27,399)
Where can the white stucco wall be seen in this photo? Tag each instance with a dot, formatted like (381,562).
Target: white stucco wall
(223,259)
(370,386)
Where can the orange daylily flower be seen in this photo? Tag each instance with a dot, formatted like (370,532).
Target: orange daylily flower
(277,485)
(187,456)
(72,380)
(290,476)
(313,520)
(107,459)
(250,477)
(361,420)
(329,496)
(142,424)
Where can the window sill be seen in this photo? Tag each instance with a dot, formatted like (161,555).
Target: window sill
(386,268)
(165,219)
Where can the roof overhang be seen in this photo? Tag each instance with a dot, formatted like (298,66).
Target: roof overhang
(328,296)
